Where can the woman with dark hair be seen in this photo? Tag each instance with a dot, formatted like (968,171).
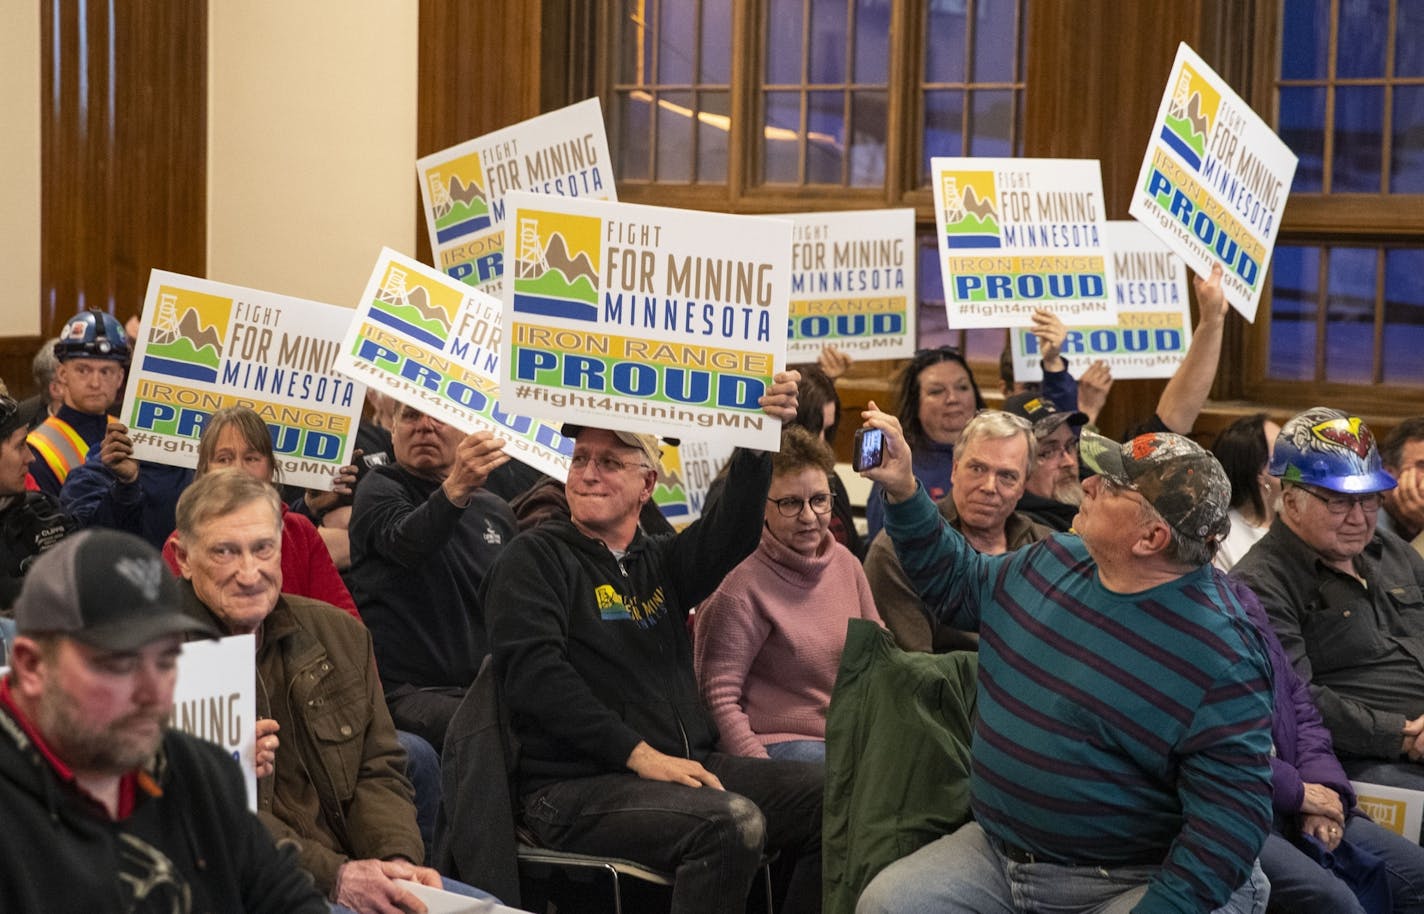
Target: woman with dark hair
(937,397)
(235,437)
(1244,449)
(818,411)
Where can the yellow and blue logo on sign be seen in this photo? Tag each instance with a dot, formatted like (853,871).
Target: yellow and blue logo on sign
(188,333)
(557,264)
(971,214)
(1190,115)
(458,198)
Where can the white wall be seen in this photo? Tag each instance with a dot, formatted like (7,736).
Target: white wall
(311,142)
(20,168)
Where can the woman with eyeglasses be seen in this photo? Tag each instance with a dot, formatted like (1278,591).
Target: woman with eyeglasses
(938,396)
(1244,449)
(769,640)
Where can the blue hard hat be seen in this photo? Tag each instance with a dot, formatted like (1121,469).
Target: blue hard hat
(92,334)
(1330,449)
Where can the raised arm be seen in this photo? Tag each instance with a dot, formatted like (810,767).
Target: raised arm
(1186,392)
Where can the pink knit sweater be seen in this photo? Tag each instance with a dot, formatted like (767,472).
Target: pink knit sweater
(769,641)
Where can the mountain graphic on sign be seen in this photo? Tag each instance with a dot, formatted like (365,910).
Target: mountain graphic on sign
(419,299)
(188,340)
(1194,114)
(984,209)
(463,194)
(558,258)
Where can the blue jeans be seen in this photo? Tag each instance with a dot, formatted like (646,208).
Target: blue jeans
(799,750)
(449,885)
(966,874)
(712,841)
(422,766)
(1298,883)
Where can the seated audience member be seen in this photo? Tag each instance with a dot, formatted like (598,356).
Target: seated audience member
(423,536)
(937,397)
(769,639)
(1121,753)
(818,411)
(49,389)
(1244,450)
(30,521)
(1344,597)
(590,643)
(106,809)
(1054,489)
(330,768)
(1315,810)
(112,489)
(1402,453)
(991,465)
(92,353)
(237,438)
(1184,396)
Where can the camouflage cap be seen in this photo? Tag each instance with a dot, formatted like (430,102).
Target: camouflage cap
(1181,480)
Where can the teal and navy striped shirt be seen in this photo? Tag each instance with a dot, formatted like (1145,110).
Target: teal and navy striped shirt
(1113,729)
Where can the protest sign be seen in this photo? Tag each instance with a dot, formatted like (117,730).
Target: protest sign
(433,343)
(216,700)
(462,188)
(853,284)
(1154,321)
(206,345)
(1214,180)
(688,469)
(1020,234)
(645,319)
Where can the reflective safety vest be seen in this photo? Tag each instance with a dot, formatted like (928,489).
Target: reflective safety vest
(61,447)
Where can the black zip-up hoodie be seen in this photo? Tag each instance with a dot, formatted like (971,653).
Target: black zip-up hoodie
(593,653)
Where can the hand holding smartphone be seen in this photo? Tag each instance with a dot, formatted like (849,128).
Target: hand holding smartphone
(869,449)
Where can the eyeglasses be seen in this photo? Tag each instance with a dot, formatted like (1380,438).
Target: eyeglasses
(1340,505)
(1047,450)
(606,463)
(791,506)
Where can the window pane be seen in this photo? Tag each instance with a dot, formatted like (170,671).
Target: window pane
(1359,123)
(991,124)
(944,44)
(716,65)
(1364,29)
(1305,35)
(995,42)
(1406,166)
(1404,316)
(714,121)
(826,142)
(677,37)
(932,327)
(635,60)
(828,42)
(944,127)
(1295,281)
(675,136)
(780,149)
(1409,38)
(867,150)
(783,42)
(634,161)
(1302,127)
(872,42)
(1350,316)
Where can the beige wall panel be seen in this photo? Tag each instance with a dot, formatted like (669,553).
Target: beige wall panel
(20,168)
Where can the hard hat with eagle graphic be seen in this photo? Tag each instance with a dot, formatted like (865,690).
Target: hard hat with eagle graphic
(1330,449)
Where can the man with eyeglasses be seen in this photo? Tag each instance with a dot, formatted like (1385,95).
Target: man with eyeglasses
(1344,596)
(1053,491)
(1121,749)
(592,652)
(424,533)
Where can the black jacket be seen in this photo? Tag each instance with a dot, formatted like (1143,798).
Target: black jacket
(593,652)
(59,852)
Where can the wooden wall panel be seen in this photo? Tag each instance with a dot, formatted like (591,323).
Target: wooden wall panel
(123,144)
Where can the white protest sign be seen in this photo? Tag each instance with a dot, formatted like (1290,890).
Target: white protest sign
(853,284)
(687,470)
(564,153)
(433,343)
(1214,180)
(1020,234)
(1154,321)
(645,319)
(205,345)
(216,699)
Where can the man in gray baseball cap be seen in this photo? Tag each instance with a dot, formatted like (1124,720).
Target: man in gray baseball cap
(125,814)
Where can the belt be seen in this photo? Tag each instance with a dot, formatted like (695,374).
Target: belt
(1018,854)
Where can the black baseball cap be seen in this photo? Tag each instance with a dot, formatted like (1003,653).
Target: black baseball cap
(107,589)
(1042,413)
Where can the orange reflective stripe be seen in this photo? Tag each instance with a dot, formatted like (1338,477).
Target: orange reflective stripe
(61,447)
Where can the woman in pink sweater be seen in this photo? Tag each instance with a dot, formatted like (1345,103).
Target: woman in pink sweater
(769,640)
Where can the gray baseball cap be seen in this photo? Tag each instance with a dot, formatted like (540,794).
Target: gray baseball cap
(104,588)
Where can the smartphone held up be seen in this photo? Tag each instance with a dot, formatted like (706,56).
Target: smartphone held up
(869,449)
